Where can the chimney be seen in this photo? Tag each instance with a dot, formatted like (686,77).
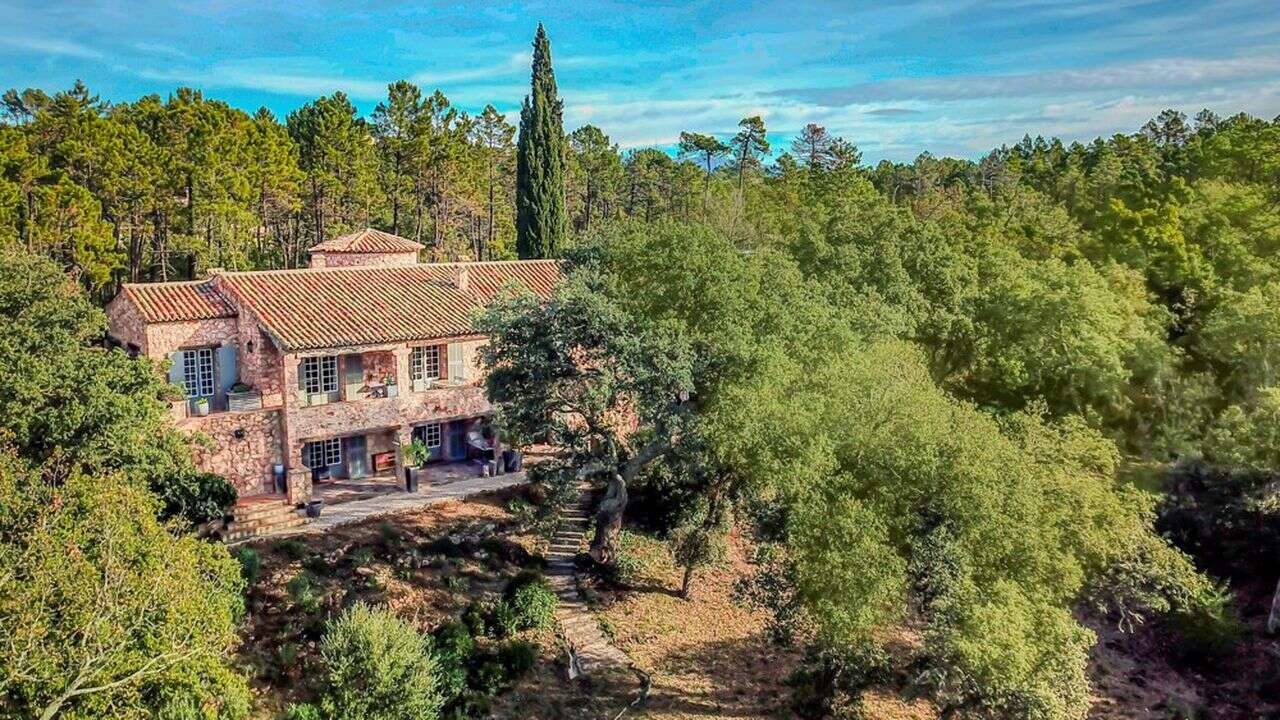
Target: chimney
(464,278)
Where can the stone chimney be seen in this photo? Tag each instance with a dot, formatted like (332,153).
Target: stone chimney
(463,280)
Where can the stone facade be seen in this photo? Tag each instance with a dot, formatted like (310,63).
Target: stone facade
(169,337)
(350,259)
(240,446)
(127,326)
(245,445)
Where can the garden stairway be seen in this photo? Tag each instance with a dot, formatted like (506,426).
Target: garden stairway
(590,652)
(253,517)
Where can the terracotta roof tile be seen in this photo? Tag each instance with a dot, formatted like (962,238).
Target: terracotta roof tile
(368,241)
(353,306)
(178,301)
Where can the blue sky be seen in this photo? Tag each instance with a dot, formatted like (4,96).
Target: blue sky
(948,76)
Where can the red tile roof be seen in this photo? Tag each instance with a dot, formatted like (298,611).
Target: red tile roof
(177,301)
(354,306)
(368,241)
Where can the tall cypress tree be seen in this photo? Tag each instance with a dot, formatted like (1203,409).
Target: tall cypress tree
(540,158)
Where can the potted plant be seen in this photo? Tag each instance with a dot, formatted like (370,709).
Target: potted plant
(242,397)
(415,456)
(390,383)
(202,406)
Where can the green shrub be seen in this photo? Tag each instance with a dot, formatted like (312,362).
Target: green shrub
(292,548)
(518,657)
(377,667)
(453,649)
(361,556)
(477,617)
(388,534)
(250,565)
(1208,625)
(196,497)
(532,603)
(305,592)
(502,620)
(305,711)
(490,677)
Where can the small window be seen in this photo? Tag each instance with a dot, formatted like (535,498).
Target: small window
(320,374)
(197,372)
(424,363)
(431,435)
(323,453)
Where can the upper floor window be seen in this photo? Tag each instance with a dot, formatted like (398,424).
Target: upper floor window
(424,363)
(320,374)
(197,372)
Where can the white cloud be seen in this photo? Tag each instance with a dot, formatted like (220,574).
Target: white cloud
(1149,74)
(274,76)
(50,46)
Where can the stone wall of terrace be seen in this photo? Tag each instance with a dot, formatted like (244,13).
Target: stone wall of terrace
(240,446)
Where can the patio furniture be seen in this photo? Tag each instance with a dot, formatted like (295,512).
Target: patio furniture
(384,461)
(477,444)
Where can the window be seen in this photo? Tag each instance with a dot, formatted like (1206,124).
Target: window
(323,453)
(197,372)
(424,363)
(431,435)
(320,374)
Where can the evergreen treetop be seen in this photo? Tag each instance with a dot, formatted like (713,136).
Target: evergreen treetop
(540,161)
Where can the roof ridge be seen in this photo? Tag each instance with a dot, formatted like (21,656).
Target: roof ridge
(166,283)
(383,268)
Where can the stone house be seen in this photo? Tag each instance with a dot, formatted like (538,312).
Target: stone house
(327,371)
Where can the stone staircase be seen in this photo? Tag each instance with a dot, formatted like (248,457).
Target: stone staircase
(590,652)
(259,517)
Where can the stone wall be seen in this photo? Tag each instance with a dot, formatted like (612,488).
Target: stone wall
(240,446)
(363,416)
(260,360)
(165,338)
(126,324)
(323,259)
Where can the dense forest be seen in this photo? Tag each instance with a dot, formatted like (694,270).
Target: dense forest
(959,402)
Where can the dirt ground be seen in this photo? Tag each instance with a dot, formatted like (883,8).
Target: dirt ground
(1142,675)
(706,657)
(426,566)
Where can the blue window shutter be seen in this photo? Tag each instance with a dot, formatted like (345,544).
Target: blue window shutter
(175,370)
(228,372)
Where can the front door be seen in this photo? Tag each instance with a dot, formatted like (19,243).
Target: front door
(457,440)
(357,457)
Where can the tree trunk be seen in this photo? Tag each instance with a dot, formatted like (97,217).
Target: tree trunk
(604,546)
(687,582)
(1273,620)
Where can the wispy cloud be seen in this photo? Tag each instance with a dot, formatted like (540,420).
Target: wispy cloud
(272,76)
(161,49)
(1150,74)
(50,46)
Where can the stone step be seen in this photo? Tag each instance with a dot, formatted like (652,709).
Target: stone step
(259,514)
(241,531)
(267,522)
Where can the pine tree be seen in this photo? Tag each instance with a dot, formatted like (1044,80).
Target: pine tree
(540,158)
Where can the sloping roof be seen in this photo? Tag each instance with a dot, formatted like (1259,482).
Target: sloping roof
(178,301)
(354,306)
(368,241)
